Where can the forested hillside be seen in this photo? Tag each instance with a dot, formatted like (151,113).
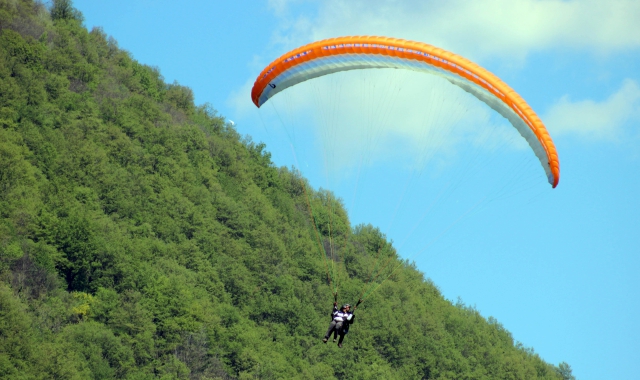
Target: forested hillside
(141,237)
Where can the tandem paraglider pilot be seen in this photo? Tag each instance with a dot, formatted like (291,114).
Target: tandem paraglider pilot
(340,321)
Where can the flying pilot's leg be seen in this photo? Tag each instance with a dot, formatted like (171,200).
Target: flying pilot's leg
(339,327)
(332,327)
(337,331)
(340,340)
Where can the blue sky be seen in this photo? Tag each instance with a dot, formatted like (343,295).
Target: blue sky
(558,268)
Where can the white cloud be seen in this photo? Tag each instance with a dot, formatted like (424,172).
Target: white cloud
(482,29)
(240,99)
(596,120)
(279,7)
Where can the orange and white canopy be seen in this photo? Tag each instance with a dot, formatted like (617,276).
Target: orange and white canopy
(365,52)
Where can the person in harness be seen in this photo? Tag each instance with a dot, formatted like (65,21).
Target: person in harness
(340,321)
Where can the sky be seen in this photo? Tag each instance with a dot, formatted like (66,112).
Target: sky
(557,267)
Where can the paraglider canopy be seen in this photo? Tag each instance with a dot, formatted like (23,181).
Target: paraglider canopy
(364,52)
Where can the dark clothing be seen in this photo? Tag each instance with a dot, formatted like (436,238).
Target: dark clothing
(340,322)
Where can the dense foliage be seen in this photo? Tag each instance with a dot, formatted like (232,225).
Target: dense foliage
(141,237)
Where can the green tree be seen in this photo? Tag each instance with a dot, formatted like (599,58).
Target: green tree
(564,370)
(64,10)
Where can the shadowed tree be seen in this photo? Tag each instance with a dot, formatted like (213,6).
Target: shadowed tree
(64,10)
(564,370)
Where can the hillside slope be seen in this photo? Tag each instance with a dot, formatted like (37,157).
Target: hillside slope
(142,237)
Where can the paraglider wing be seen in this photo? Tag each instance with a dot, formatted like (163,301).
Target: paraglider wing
(365,52)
